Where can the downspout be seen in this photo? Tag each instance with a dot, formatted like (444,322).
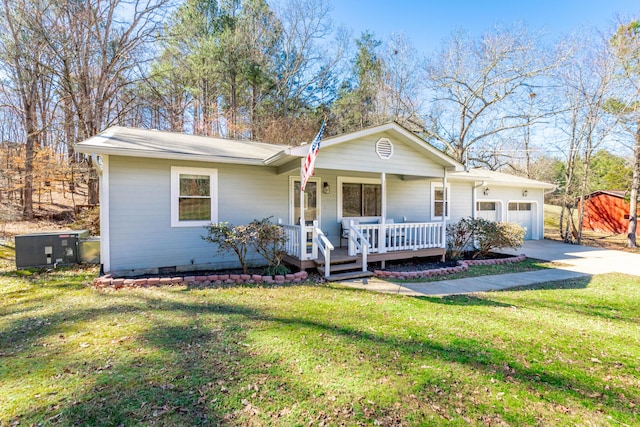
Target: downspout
(474,197)
(105,233)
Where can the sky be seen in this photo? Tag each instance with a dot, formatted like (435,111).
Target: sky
(427,22)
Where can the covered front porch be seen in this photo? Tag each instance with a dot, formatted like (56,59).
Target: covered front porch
(381,193)
(308,247)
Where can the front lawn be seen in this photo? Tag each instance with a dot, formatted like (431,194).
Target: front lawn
(568,354)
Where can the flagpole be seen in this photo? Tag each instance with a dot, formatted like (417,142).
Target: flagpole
(306,170)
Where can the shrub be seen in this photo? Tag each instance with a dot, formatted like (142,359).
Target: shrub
(460,237)
(269,241)
(481,236)
(229,237)
(265,238)
(498,235)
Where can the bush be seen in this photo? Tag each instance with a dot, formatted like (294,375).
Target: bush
(265,238)
(229,237)
(460,237)
(269,242)
(481,236)
(498,235)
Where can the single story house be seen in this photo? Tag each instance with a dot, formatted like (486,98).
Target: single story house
(606,211)
(382,191)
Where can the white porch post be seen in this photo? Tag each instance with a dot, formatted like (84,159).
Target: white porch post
(445,210)
(382,247)
(303,231)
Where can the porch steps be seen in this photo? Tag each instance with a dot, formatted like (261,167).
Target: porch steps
(347,275)
(344,270)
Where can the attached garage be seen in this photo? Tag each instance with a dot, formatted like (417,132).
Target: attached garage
(501,197)
(523,213)
(488,210)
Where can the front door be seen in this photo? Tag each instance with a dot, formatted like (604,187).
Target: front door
(311,201)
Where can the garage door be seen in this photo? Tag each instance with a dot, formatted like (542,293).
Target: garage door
(487,210)
(522,213)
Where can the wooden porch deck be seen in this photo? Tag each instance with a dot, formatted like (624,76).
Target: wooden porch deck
(341,256)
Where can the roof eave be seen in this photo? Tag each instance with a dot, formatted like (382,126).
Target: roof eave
(164,155)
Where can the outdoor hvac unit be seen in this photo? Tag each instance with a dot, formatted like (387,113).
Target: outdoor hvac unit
(48,249)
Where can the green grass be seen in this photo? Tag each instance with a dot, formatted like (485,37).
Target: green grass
(484,270)
(567,354)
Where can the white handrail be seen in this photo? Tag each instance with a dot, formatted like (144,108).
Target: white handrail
(325,247)
(360,243)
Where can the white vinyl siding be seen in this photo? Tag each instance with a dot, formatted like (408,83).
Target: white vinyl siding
(360,155)
(141,236)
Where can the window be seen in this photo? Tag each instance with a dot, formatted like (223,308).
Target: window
(193,196)
(513,206)
(360,197)
(486,206)
(438,204)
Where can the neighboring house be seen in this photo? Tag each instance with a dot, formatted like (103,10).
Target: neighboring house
(383,185)
(606,211)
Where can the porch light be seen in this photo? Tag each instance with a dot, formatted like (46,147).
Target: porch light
(486,191)
(525,192)
(326,188)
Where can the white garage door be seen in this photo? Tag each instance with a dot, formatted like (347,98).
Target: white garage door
(487,210)
(522,213)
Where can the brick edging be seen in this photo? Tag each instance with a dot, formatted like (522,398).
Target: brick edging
(462,266)
(213,279)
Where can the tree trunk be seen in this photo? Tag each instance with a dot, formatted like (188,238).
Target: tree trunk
(635,183)
(27,191)
(92,184)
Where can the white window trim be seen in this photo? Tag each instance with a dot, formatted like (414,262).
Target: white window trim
(354,180)
(176,171)
(293,194)
(434,186)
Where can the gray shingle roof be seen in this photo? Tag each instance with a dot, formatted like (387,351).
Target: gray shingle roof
(168,145)
(477,174)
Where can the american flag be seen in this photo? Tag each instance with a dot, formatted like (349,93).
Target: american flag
(307,169)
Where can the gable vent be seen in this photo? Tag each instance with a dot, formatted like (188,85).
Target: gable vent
(384,148)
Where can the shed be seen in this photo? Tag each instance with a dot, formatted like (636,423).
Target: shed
(606,211)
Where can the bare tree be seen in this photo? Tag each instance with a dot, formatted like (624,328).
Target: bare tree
(98,55)
(21,49)
(400,90)
(476,86)
(625,44)
(304,63)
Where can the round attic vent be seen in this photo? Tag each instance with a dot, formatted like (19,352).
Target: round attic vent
(384,148)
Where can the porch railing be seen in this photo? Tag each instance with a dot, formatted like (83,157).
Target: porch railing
(366,238)
(325,247)
(400,236)
(359,244)
(294,245)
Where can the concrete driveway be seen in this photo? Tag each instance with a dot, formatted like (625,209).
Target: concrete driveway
(574,262)
(582,259)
